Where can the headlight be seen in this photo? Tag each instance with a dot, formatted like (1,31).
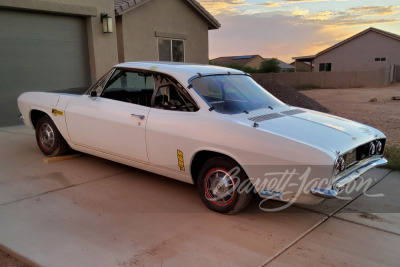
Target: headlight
(372,149)
(378,147)
(342,164)
(339,165)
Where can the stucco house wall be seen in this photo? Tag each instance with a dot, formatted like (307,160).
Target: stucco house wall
(140,28)
(301,67)
(359,54)
(255,62)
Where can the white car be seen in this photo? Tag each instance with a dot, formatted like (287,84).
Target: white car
(210,126)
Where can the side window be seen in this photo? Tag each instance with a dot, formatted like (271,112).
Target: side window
(131,87)
(172,96)
(98,87)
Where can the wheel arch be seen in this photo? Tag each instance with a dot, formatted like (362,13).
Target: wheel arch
(35,115)
(200,157)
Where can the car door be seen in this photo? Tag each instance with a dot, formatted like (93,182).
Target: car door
(114,121)
(170,132)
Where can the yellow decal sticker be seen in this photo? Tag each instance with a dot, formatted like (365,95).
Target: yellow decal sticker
(180,160)
(57,112)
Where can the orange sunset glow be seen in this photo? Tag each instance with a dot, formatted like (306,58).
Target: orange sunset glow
(290,28)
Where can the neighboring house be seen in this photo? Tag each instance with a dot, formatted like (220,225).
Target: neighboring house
(284,66)
(300,66)
(165,30)
(369,50)
(48,45)
(253,61)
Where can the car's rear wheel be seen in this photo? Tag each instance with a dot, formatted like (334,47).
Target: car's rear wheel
(219,184)
(49,139)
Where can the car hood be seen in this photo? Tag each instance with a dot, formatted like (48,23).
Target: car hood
(314,128)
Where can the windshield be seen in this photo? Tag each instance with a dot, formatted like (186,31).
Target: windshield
(234,93)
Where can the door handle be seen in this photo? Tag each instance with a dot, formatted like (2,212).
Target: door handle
(138,116)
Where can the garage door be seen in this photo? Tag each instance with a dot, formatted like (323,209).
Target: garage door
(39,52)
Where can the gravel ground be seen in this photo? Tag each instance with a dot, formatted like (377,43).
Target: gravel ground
(382,112)
(291,96)
(371,106)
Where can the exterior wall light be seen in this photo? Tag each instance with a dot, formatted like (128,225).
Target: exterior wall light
(106,20)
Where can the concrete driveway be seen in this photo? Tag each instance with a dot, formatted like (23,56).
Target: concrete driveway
(88,211)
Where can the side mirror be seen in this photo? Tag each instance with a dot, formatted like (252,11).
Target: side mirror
(93,93)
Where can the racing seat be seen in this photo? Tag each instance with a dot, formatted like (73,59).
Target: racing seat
(161,100)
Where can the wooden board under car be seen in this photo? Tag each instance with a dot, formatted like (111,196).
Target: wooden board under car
(61,158)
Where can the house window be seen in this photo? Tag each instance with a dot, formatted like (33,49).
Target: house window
(380,59)
(171,50)
(325,66)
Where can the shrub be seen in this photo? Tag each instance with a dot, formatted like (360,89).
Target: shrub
(243,68)
(269,65)
(392,154)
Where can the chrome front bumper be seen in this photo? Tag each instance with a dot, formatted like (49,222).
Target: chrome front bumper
(347,178)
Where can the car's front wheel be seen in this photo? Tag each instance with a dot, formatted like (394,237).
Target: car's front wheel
(223,186)
(49,139)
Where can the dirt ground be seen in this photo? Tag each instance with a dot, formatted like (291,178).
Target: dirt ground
(354,104)
(6,260)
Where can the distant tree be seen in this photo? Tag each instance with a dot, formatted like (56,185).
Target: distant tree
(246,69)
(269,65)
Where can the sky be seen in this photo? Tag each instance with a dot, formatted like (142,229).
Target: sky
(292,28)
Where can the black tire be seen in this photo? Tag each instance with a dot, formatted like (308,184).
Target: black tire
(220,192)
(49,139)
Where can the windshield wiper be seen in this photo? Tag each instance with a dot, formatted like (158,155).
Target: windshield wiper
(270,107)
(211,108)
(245,111)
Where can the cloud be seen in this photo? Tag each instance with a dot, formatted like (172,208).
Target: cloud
(300,12)
(373,10)
(270,4)
(272,34)
(221,7)
(360,22)
(304,1)
(324,15)
(288,30)
(356,16)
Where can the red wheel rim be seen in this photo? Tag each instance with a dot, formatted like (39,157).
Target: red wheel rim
(220,187)
(46,136)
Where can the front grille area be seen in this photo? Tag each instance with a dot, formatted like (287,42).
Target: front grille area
(350,158)
(361,152)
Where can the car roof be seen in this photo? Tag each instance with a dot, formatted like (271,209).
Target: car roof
(180,71)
